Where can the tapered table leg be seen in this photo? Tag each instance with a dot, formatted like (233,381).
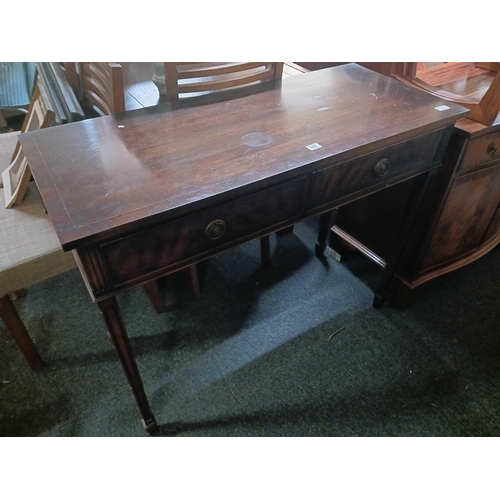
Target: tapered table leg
(118,334)
(416,198)
(325,224)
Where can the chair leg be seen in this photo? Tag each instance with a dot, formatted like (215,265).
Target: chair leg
(153,292)
(152,289)
(16,328)
(265,252)
(195,279)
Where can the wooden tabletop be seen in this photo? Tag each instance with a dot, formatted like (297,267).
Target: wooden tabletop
(97,176)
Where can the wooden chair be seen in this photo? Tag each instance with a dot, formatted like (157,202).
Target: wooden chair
(473,85)
(30,253)
(16,175)
(192,84)
(8,149)
(71,71)
(101,87)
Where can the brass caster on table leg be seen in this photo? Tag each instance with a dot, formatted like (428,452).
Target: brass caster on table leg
(150,426)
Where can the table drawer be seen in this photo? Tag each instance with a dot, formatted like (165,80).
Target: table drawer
(200,234)
(481,151)
(333,183)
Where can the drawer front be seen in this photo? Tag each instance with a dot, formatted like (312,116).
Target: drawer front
(481,151)
(198,234)
(334,183)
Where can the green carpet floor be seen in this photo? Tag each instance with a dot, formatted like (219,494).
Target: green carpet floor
(253,356)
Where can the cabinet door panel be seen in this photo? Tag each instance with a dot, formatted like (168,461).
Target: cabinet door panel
(466,216)
(494,228)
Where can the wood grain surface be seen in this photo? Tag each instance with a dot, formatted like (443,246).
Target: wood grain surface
(101,174)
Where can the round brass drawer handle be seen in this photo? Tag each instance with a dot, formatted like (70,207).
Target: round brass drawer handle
(382,167)
(215,229)
(492,149)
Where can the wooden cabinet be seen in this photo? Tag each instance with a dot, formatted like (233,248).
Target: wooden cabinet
(463,225)
(467,214)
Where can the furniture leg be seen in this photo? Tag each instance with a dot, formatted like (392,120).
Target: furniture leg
(338,247)
(265,252)
(153,292)
(417,196)
(195,280)
(326,220)
(404,296)
(16,328)
(116,328)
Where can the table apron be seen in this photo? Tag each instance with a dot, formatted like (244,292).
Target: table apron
(120,263)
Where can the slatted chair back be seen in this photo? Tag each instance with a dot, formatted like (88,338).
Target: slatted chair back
(101,88)
(16,176)
(191,83)
(71,71)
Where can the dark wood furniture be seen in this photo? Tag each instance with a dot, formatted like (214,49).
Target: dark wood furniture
(464,225)
(153,190)
(466,222)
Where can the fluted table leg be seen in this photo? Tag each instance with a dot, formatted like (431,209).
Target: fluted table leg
(116,328)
